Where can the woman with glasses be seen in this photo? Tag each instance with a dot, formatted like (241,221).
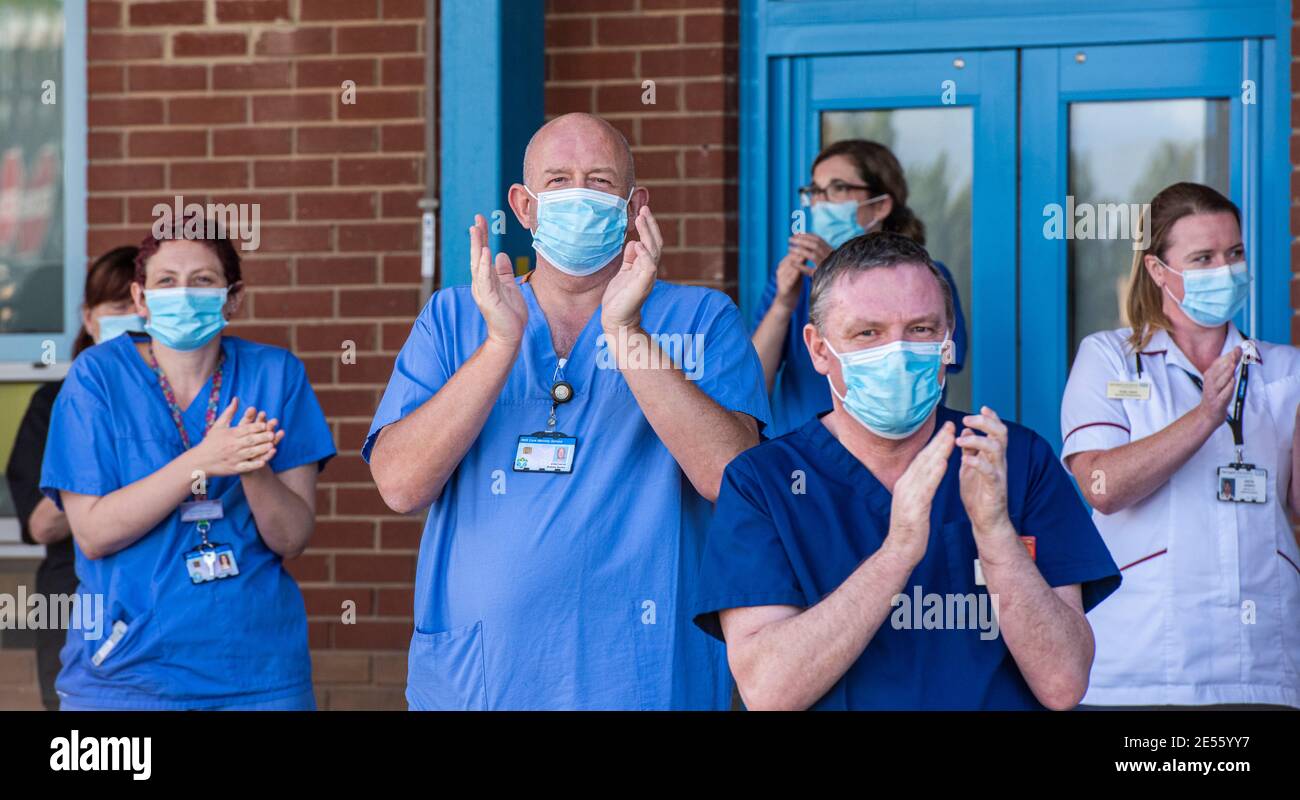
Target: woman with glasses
(857,187)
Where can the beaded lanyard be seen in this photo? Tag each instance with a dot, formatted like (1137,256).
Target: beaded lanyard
(209,417)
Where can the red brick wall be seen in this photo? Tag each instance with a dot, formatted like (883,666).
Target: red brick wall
(240,101)
(599,53)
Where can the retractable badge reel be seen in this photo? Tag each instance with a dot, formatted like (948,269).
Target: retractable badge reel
(549,450)
(1240,482)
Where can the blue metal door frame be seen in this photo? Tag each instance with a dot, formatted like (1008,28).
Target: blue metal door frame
(775,35)
(492,70)
(1213,69)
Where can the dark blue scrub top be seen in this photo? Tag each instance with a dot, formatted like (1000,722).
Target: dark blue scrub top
(800,392)
(769,545)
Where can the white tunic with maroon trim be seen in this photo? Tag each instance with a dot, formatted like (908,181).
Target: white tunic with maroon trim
(1209,610)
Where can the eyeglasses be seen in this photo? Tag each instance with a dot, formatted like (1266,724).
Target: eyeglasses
(836,192)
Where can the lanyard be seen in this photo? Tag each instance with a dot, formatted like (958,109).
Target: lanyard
(1238,407)
(170,396)
(561,392)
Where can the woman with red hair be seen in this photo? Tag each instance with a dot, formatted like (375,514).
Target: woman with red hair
(186,461)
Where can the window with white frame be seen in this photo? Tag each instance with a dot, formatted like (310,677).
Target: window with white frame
(42,208)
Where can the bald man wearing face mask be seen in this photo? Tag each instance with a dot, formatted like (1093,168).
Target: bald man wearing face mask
(567,430)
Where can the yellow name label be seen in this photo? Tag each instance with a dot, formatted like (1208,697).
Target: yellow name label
(1128,390)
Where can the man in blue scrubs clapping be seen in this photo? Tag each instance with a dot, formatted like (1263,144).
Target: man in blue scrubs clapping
(568,431)
(894,553)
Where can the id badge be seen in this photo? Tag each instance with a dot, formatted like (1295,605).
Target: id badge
(545,452)
(211,564)
(1242,483)
(199,510)
(1128,390)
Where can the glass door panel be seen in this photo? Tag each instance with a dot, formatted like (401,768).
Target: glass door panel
(1121,155)
(934,146)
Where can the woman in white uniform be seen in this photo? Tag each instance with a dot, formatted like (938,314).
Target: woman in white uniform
(1182,436)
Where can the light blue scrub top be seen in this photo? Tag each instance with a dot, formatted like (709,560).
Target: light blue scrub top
(567,591)
(239,640)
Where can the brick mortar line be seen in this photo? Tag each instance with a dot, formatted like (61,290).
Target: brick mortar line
(310,91)
(263,58)
(245,59)
(563,83)
(646,47)
(185,94)
(675,80)
(136,193)
(654,12)
(319,124)
(216,161)
(259,26)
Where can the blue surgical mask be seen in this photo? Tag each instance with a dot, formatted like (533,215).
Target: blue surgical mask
(185,318)
(1211,297)
(113,325)
(836,223)
(579,231)
(891,389)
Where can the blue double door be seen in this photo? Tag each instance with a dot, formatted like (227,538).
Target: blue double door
(1029,167)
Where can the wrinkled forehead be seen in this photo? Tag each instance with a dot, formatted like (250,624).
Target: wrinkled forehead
(905,293)
(577,145)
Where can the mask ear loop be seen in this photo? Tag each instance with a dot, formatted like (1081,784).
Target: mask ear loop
(878,221)
(627,207)
(829,382)
(537,211)
(1165,287)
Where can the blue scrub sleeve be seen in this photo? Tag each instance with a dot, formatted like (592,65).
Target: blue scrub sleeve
(959,334)
(745,563)
(730,371)
(81,449)
(307,436)
(1069,548)
(422,366)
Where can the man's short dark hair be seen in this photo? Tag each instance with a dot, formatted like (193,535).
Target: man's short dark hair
(872,251)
